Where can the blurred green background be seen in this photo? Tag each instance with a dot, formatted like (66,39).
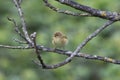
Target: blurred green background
(18,65)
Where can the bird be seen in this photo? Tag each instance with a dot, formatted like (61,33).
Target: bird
(59,40)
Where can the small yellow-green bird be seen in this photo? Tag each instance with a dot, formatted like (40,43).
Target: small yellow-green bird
(59,40)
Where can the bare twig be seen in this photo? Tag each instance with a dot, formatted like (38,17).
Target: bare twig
(33,37)
(15,47)
(94,34)
(63,52)
(20,42)
(94,12)
(23,22)
(65,11)
(91,36)
(16,28)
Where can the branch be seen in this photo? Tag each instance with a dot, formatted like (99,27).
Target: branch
(33,36)
(20,42)
(65,11)
(15,47)
(94,12)
(17,29)
(63,52)
(82,55)
(91,36)
(22,22)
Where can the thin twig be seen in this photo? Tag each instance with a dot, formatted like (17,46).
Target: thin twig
(33,37)
(63,52)
(20,42)
(15,47)
(94,12)
(22,22)
(91,36)
(16,28)
(65,11)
